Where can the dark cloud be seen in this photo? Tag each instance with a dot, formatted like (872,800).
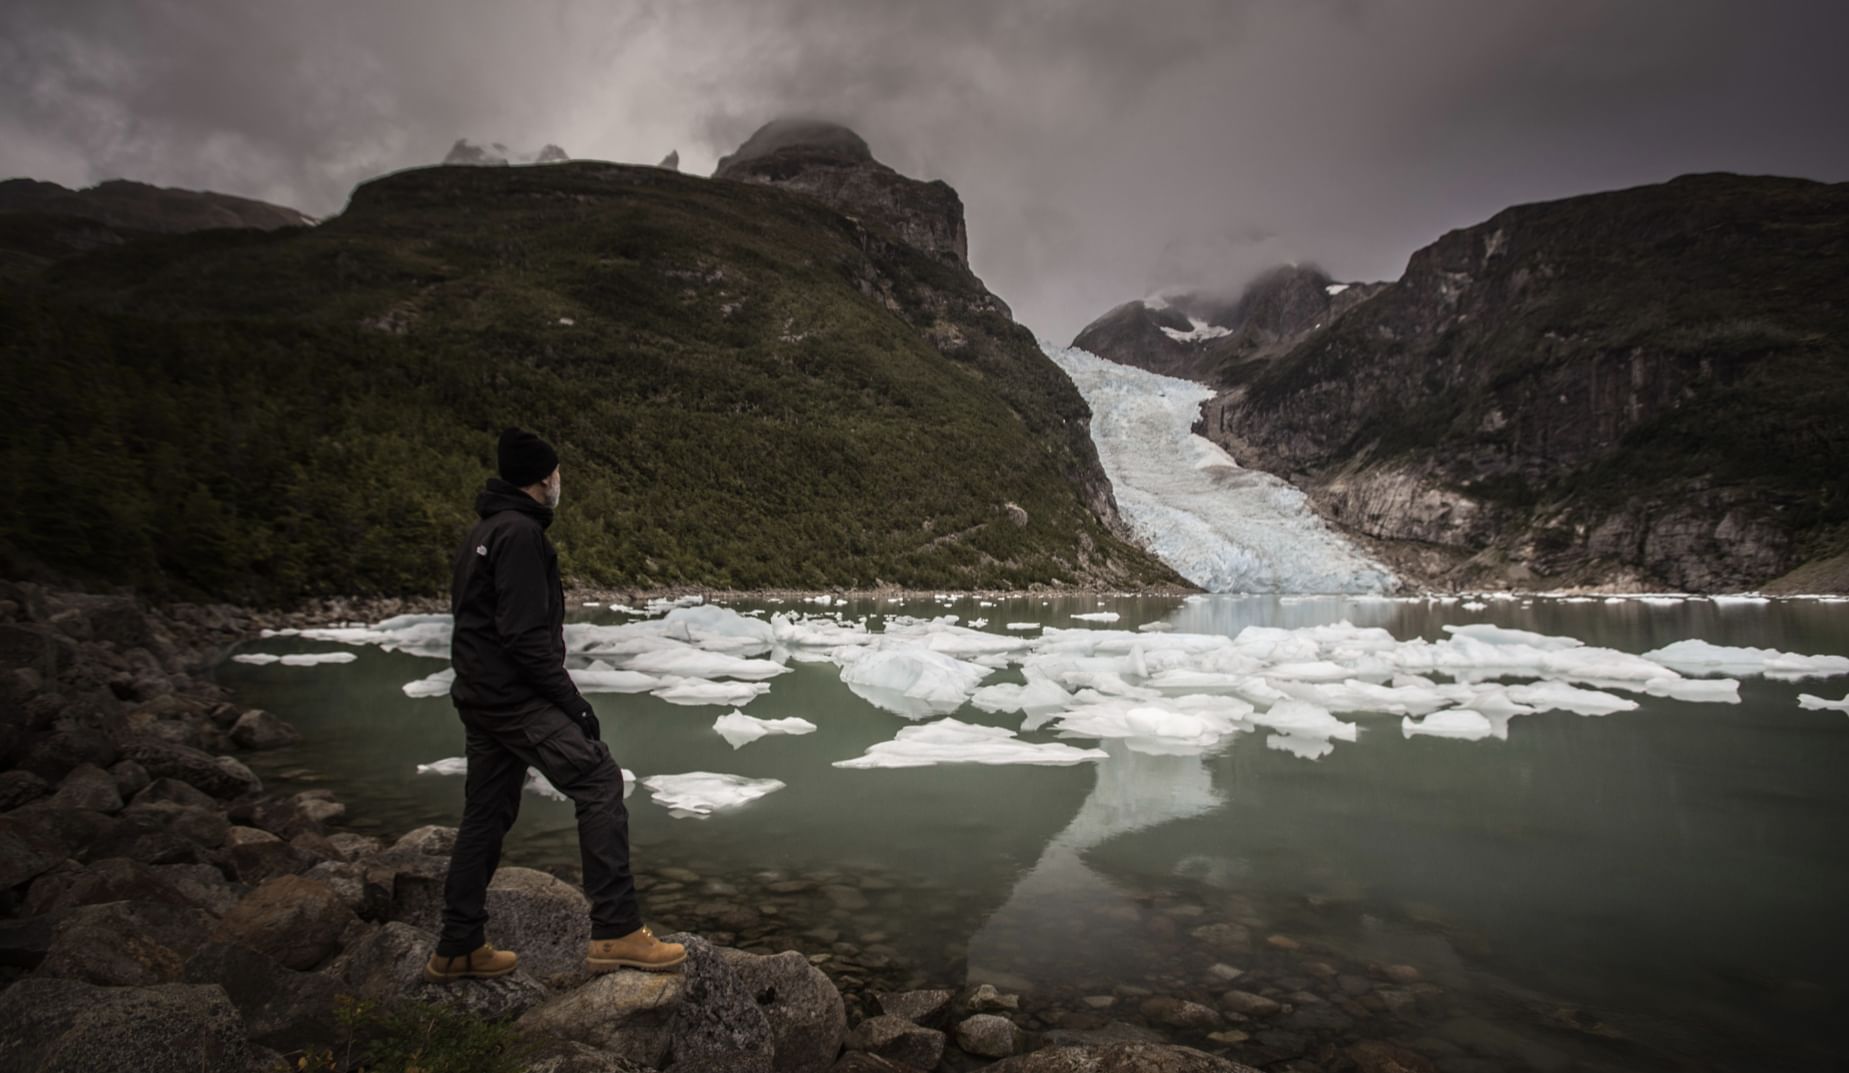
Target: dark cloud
(1103,149)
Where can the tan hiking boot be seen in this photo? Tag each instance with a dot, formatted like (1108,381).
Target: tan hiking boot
(637,950)
(483,961)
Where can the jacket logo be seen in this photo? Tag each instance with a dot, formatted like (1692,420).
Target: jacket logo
(481,549)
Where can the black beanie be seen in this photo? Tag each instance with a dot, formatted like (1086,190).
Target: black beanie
(524,458)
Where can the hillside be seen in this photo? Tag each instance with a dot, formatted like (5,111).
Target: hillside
(746,387)
(137,206)
(1642,387)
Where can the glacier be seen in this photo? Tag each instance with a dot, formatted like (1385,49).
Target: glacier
(1223,527)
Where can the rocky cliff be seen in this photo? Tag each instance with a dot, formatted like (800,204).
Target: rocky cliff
(1644,387)
(833,164)
(1222,339)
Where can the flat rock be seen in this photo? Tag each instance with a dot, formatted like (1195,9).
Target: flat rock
(929,1007)
(294,920)
(990,1035)
(898,1039)
(625,1013)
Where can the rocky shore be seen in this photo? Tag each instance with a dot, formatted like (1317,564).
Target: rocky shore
(162,909)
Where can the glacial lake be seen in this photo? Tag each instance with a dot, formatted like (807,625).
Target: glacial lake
(1661,887)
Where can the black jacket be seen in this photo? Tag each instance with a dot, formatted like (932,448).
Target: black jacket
(508,647)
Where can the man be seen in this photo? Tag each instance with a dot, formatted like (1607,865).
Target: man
(520,709)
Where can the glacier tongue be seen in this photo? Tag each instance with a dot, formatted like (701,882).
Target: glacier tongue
(1225,528)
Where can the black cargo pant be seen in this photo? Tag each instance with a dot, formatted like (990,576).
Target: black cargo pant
(501,746)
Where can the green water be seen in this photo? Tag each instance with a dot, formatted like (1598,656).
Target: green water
(1678,870)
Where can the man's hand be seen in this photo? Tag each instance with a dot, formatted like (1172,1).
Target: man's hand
(581,713)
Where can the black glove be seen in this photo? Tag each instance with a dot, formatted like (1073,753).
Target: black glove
(582,714)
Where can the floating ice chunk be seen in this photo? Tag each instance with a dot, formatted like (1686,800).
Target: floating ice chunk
(627,610)
(600,678)
(1018,697)
(1307,748)
(1812,701)
(1355,695)
(947,741)
(1451,723)
(295,659)
(699,793)
(738,728)
(1559,696)
(535,783)
(435,685)
(1321,670)
(1473,605)
(712,627)
(417,635)
(690,662)
(1304,720)
(1097,616)
(1502,635)
(449,765)
(911,680)
(701,691)
(1700,657)
(1157,626)
(1024,625)
(816,632)
(1697,690)
(1184,726)
(1739,598)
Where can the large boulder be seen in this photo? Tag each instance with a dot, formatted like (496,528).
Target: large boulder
(548,1054)
(292,919)
(384,962)
(26,850)
(88,786)
(107,880)
(281,1008)
(124,942)
(806,1015)
(68,1026)
(990,1035)
(718,1025)
(220,776)
(497,998)
(930,1008)
(623,1013)
(258,729)
(540,917)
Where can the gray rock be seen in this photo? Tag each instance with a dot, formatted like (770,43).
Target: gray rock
(124,943)
(898,1039)
(1179,1012)
(384,962)
(1118,1058)
(352,845)
(930,1008)
(25,852)
(107,880)
(18,787)
(222,777)
(258,729)
(348,882)
(281,1008)
(68,1026)
(553,1055)
(626,1013)
(985,999)
(1114,1032)
(1224,938)
(863,1062)
(718,1025)
(496,998)
(294,920)
(88,786)
(540,917)
(131,778)
(1249,1004)
(806,1015)
(170,792)
(990,1035)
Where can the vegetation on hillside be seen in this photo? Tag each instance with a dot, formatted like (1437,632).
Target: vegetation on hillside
(735,377)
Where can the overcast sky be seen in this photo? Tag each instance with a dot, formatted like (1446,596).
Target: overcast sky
(1103,149)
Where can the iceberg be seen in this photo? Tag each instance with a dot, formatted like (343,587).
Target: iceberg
(599,677)
(1097,616)
(294,659)
(701,691)
(911,680)
(700,793)
(1451,723)
(688,662)
(435,685)
(1700,657)
(948,741)
(417,635)
(1812,701)
(738,729)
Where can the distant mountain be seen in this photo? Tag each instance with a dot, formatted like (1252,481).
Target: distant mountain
(833,164)
(1222,340)
(749,388)
(1645,387)
(139,207)
(495,154)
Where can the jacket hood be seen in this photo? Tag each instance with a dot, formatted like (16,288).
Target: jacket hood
(497,495)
